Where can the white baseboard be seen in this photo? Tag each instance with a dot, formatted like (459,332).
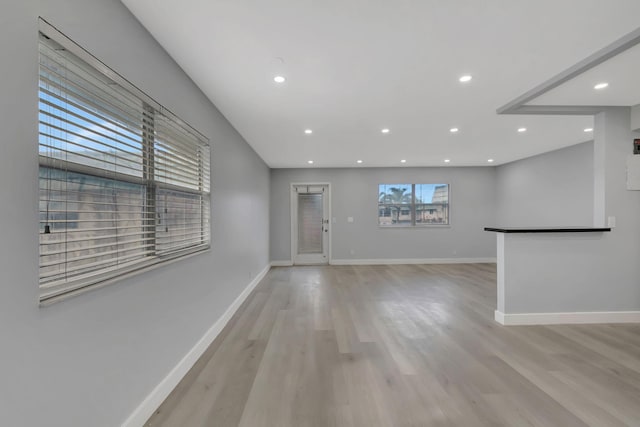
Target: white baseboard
(412,261)
(567,318)
(148,406)
(387,261)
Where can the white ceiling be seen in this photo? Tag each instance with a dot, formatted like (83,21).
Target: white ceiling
(355,67)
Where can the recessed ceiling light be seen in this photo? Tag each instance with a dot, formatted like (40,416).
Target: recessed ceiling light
(465,78)
(308,131)
(588,130)
(454,130)
(310,162)
(403,161)
(447,160)
(279,79)
(358,161)
(385,130)
(490,160)
(601,85)
(522,130)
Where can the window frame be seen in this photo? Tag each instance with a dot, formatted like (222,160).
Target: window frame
(149,181)
(412,207)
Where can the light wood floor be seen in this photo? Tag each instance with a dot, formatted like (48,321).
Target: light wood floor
(403,345)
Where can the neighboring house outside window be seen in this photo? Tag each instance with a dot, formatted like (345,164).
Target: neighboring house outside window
(408,205)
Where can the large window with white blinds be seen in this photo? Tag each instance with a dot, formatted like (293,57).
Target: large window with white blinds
(123,183)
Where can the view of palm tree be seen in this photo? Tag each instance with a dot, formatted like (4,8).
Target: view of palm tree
(413,204)
(394,201)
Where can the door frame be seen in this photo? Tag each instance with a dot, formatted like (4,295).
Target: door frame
(293,218)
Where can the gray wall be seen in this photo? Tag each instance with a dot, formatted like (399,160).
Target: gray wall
(354,192)
(591,272)
(90,360)
(552,189)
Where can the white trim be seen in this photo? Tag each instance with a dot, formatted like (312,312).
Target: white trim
(567,318)
(149,405)
(384,261)
(283,263)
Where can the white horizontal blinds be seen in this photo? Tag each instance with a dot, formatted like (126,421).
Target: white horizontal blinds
(310,225)
(85,118)
(94,224)
(92,198)
(123,183)
(182,176)
(182,224)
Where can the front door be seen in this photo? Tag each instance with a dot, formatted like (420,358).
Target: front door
(310,224)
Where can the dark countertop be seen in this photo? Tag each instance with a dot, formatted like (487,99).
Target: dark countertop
(547,229)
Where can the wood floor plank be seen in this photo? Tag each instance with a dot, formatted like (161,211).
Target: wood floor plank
(402,345)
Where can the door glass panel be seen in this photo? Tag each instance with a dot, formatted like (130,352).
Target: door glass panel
(309,223)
